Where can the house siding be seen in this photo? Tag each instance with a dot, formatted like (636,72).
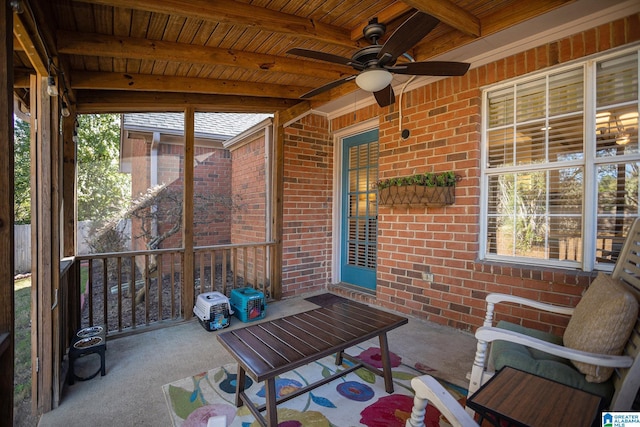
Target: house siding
(445,123)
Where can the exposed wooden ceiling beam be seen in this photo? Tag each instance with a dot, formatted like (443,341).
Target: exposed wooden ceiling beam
(32,48)
(88,101)
(517,12)
(156,50)
(449,13)
(151,83)
(244,14)
(499,20)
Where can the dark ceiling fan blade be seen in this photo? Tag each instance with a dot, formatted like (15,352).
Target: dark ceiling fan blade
(314,54)
(431,68)
(408,34)
(326,87)
(385,97)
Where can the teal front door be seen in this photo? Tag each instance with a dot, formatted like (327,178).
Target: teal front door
(359,209)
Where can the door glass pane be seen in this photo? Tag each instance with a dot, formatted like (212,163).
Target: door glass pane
(362,219)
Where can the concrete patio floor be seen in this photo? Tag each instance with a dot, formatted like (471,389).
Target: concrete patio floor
(139,365)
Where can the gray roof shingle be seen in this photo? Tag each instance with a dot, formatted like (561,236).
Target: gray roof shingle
(207,125)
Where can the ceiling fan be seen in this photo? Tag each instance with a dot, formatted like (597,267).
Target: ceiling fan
(377,63)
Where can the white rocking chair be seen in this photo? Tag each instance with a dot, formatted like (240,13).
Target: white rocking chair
(429,390)
(626,376)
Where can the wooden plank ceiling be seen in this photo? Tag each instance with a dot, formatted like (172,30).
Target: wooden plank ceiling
(227,55)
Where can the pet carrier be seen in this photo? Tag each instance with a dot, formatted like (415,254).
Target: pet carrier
(213,311)
(248,304)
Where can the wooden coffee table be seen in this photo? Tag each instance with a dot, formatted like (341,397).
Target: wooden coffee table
(271,348)
(523,399)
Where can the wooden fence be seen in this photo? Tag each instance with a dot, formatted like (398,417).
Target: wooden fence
(22,248)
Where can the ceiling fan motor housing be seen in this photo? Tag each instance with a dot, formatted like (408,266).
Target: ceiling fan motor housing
(374,31)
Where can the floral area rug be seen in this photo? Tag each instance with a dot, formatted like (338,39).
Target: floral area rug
(356,399)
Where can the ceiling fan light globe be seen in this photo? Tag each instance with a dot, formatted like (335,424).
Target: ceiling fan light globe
(374,80)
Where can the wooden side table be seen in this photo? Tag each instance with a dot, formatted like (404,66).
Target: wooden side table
(523,399)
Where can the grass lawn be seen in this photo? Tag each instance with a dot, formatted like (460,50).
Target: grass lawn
(22,299)
(22,415)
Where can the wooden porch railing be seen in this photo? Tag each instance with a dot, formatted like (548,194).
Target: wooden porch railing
(139,289)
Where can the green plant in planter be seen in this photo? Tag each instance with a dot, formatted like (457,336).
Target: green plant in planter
(430,189)
(428,179)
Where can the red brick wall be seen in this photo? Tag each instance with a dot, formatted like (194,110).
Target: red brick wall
(248,222)
(212,192)
(248,186)
(308,183)
(444,120)
(170,165)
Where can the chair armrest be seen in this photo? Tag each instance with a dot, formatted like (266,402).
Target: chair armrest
(490,334)
(496,298)
(429,389)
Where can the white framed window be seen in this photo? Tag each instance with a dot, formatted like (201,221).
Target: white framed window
(561,164)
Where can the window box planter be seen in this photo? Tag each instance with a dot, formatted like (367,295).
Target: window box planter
(418,190)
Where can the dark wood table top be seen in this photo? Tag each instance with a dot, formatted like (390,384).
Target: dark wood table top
(528,400)
(271,348)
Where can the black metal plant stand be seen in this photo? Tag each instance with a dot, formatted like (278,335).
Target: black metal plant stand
(87,341)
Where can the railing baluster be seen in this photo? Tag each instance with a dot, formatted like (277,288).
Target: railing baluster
(105,284)
(132,291)
(264,271)
(255,267)
(147,288)
(160,283)
(173,290)
(182,285)
(89,292)
(234,259)
(212,263)
(224,271)
(245,262)
(202,284)
(119,285)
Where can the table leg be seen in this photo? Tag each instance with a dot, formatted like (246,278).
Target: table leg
(240,382)
(339,358)
(270,397)
(386,363)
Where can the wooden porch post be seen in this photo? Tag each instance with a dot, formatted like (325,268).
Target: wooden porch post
(187,215)
(69,184)
(277,206)
(69,166)
(279,120)
(6,218)
(45,253)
